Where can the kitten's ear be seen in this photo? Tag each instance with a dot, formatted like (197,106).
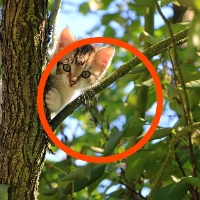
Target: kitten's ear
(66,38)
(105,54)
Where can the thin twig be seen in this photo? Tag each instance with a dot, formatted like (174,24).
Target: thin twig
(133,191)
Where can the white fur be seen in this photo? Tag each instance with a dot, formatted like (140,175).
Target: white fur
(61,94)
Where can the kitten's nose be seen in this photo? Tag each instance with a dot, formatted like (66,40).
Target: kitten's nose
(72,82)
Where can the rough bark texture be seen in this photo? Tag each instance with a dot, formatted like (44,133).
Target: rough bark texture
(22,142)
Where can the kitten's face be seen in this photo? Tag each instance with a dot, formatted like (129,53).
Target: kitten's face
(84,66)
(80,68)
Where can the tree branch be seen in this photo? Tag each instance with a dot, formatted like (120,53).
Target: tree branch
(156,49)
(54,13)
(53,23)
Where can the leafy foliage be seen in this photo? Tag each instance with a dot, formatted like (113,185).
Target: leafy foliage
(113,122)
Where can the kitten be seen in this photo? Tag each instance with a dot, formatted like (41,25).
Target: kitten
(77,71)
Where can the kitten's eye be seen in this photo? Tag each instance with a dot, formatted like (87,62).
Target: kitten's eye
(67,67)
(85,74)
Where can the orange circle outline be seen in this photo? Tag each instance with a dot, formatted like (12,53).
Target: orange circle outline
(131,150)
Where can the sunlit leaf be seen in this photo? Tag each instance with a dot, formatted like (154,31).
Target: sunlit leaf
(197,4)
(95,4)
(145,37)
(193,85)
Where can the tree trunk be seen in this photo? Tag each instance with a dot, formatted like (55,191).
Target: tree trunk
(23,143)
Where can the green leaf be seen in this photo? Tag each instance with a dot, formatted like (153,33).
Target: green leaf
(118,194)
(194,98)
(176,28)
(178,191)
(109,32)
(97,172)
(197,4)
(145,37)
(194,39)
(106,19)
(138,69)
(142,161)
(97,182)
(172,90)
(84,8)
(130,77)
(192,181)
(175,191)
(106,3)
(175,105)
(197,160)
(185,3)
(50,5)
(196,113)
(159,133)
(192,85)
(133,127)
(165,2)
(145,3)
(113,141)
(4,191)
(51,194)
(80,173)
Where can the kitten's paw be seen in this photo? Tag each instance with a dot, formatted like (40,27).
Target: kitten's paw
(53,100)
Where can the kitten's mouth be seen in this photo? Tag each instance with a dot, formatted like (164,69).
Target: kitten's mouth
(71,85)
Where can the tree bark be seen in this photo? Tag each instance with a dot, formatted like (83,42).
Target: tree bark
(23,143)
